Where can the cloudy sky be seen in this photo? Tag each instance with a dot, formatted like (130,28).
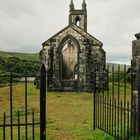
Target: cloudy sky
(26,24)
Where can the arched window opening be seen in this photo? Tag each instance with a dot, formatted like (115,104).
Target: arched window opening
(77,20)
(76,72)
(69,60)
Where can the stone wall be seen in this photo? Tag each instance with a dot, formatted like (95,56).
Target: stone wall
(87,54)
(136,82)
(136,51)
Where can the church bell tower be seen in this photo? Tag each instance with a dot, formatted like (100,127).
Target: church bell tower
(78,17)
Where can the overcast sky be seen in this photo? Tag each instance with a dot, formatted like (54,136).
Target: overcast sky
(26,24)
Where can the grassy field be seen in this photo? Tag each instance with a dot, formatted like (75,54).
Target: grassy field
(69,115)
(22,56)
(19,105)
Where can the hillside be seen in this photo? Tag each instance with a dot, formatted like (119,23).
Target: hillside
(22,56)
(18,63)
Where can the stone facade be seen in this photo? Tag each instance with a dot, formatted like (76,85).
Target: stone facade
(72,55)
(135,64)
(135,57)
(136,51)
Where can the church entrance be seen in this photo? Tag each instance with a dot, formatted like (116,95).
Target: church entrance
(69,63)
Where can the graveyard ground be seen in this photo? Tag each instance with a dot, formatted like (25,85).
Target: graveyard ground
(69,115)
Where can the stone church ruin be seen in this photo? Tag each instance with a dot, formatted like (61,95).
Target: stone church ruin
(72,54)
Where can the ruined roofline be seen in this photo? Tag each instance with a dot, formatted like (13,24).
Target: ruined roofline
(88,34)
(43,44)
(72,26)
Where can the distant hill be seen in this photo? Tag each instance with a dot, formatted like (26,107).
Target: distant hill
(27,63)
(34,57)
(22,56)
(19,63)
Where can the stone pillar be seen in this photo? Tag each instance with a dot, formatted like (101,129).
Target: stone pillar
(56,71)
(88,70)
(136,84)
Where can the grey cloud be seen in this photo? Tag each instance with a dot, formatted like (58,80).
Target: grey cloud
(24,25)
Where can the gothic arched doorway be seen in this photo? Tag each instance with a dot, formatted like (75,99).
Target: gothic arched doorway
(69,62)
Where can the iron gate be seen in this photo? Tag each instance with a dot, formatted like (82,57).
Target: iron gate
(114,110)
(27,122)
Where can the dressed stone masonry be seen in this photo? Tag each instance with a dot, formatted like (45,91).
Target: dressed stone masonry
(71,55)
(136,51)
(135,64)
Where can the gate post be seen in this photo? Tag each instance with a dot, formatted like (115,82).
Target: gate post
(135,116)
(137,102)
(43,103)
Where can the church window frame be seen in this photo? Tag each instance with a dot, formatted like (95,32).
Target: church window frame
(61,45)
(77,20)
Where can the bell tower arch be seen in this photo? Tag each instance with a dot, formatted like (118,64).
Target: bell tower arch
(78,16)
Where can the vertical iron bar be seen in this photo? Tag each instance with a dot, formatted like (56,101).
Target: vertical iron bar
(108,99)
(128,120)
(33,129)
(4,122)
(94,101)
(132,82)
(11,105)
(113,82)
(26,119)
(105,113)
(115,118)
(100,111)
(112,96)
(110,117)
(43,103)
(118,94)
(96,110)
(18,125)
(124,97)
(103,108)
(108,69)
(121,119)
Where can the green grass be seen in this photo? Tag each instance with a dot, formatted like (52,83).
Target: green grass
(18,104)
(69,115)
(22,56)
